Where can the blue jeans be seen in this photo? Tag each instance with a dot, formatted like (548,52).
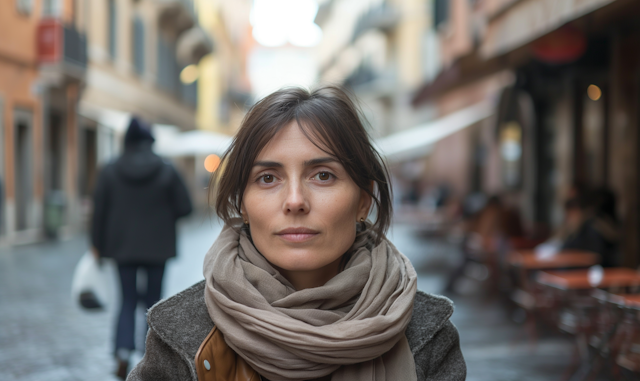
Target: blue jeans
(125,331)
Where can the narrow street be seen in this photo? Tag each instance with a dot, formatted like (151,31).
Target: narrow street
(36,312)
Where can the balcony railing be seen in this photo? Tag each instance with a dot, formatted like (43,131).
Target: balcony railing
(62,50)
(375,82)
(75,47)
(383,17)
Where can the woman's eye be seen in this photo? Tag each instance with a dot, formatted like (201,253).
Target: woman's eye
(267,178)
(323,176)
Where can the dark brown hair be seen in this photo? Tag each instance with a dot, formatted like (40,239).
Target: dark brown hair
(331,120)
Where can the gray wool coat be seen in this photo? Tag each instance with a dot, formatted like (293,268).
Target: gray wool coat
(178,325)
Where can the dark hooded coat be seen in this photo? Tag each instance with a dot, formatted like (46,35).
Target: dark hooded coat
(137,201)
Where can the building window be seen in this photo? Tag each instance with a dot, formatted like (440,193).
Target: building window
(112,28)
(440,12)
(138,45)
(24,6)
(168,69)
(52,8)
(190,93)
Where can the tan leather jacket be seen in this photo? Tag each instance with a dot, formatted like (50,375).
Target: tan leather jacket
(215,361)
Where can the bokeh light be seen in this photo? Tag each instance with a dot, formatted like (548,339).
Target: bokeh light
(594,92)
(211,163)
(276,22)
(189,74)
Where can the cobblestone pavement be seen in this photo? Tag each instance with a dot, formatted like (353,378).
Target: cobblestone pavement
(44,336)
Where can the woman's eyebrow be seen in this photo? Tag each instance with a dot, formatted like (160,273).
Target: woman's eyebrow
(273,164)
(307,163)
(320,160)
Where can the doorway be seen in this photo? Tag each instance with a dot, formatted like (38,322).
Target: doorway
(55,153)
(88,162)
(23,151)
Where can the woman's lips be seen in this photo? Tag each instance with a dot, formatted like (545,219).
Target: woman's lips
(297,234)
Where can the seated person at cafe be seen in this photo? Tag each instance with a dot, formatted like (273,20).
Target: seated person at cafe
(591,224)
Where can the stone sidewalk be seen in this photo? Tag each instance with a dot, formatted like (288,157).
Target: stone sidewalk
(44,336)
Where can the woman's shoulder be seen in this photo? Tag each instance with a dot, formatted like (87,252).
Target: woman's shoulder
(431,315)
(182,321)
(434,340)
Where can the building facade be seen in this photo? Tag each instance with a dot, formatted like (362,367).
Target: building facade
(562,78)
(72,73)
(35,34)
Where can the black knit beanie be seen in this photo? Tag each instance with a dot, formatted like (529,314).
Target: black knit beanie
(138,131)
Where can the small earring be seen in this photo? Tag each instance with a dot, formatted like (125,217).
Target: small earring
(361,219)
(246,222)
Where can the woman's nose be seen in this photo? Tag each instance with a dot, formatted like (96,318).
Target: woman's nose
(295,201)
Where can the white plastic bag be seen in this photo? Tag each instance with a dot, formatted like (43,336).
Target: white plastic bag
(90,287)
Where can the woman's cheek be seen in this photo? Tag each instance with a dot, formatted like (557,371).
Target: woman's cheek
(340,210)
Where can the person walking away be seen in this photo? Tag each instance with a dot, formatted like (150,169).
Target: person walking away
(137,201)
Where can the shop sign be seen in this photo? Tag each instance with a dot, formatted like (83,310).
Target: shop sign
(49,41)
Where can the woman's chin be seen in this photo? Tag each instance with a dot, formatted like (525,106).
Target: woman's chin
(300,262)
(296,265)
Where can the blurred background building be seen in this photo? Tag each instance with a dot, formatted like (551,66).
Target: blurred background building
(463,96)
(561,77)
(527,99)
(73,73)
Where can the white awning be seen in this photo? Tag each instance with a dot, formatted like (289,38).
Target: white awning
(197,142)
(418,141)
(170,142)
(113,119)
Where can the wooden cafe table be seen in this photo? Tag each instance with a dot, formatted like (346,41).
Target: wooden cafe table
(572,289)
(528,260)
(631,300)
(579,279)
(614,332)
(531,297)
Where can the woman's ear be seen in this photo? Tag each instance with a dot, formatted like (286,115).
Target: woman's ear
(365,204)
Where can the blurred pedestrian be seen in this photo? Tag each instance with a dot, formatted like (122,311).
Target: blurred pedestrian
(137,201)
(483,237)
(592,225)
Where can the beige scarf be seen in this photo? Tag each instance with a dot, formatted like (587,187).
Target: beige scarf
(353,326)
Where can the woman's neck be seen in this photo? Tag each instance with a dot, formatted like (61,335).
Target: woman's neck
(313,278)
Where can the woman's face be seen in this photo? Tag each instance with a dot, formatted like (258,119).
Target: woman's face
(302,208)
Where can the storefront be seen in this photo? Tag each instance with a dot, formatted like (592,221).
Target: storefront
(569,118)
